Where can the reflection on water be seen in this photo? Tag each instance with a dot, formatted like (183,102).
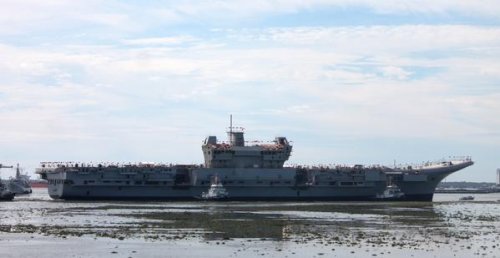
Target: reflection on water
(414,225)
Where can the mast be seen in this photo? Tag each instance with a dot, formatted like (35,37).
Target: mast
(235,136)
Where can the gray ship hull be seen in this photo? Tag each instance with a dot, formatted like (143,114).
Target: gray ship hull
(19,187)
(241,184)
(179,183)
(175,195)
(237,194)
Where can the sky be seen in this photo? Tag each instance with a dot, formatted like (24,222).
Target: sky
(348,82)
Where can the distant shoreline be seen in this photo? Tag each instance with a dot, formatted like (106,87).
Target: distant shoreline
(467,187)
(462,191)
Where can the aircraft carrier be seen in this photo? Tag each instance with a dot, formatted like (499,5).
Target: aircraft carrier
(247,172)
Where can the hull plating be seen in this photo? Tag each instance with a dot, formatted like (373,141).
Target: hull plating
(245,184)
(235,193)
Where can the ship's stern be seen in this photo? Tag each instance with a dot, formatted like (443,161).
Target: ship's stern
(55,179)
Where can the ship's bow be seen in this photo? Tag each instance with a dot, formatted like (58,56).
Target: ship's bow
(420,184)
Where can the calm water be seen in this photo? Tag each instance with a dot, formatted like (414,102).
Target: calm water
(35,225)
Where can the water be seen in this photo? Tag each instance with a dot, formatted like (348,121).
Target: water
(35,225)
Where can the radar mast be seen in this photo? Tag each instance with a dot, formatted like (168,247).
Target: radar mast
(235,134)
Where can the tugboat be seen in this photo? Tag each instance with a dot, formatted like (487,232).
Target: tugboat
(466,198)
(391,193)
(5,193)
(215,192)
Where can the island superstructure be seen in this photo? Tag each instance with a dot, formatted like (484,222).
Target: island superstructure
(247,172)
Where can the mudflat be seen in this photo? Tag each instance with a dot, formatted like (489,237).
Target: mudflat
(35,225)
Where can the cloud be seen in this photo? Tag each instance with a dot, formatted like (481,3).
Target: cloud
(106,19)
(436,82)
(488,8)
(395,72)
(290,64)
(240,9)
(160,41)
(382,39)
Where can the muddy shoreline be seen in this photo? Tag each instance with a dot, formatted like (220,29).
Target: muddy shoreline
(441,229)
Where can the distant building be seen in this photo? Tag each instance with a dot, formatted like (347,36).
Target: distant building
(498,176)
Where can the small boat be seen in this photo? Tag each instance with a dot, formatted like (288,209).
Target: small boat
(20,184)
(391,193)
(466,198)
(215,192)
(5,193)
